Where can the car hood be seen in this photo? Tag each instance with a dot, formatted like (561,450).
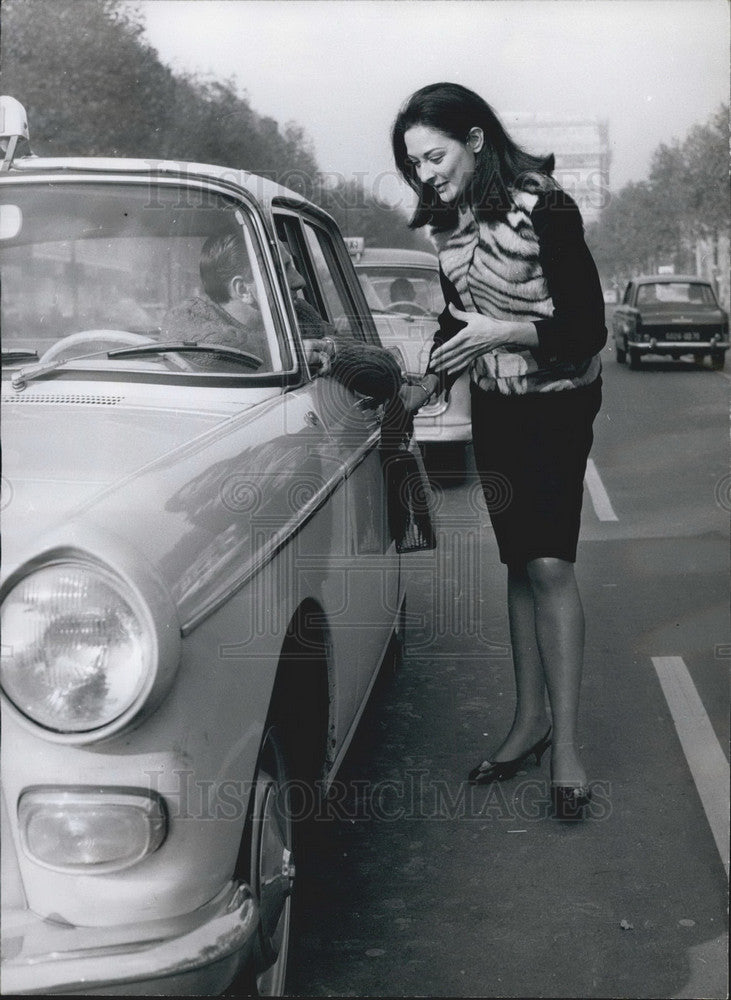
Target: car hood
(197,497)
(63,451)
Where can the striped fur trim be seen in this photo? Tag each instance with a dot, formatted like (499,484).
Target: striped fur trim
(496,271)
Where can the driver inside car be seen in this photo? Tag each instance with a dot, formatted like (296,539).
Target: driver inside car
(228,314)
(402,295)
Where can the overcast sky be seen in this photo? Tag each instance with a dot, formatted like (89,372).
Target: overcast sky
(341,68)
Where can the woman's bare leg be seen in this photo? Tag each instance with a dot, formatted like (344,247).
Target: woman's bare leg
(559,630)
(531,718)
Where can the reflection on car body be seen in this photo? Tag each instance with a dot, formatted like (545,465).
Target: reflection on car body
(199,583)
(403,291)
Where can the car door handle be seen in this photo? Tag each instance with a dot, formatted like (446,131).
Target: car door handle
(312,418)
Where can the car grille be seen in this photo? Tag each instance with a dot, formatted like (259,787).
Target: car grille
(66,397)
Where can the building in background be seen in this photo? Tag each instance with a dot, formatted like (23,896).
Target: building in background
(581,148)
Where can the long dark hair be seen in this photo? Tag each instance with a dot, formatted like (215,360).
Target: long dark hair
(500,164)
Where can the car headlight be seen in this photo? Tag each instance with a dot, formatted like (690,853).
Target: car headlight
(79,648)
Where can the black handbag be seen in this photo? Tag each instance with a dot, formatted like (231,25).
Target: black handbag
(410,499)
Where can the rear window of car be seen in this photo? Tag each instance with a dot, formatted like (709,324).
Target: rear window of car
(675,291)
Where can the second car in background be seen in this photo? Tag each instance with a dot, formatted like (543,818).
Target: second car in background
(671,315)
(403,291)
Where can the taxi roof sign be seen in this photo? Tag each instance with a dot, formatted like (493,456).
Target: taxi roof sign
(13,126)
(355,245)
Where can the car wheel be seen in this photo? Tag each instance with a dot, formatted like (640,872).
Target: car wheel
(718,360)
(268,848)
(621,354)
(634,358)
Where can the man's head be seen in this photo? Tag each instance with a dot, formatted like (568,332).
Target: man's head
(225,270)
(402,290)
(294,278)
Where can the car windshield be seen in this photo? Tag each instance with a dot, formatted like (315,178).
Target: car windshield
(411,290)
(96,269)
(688,292)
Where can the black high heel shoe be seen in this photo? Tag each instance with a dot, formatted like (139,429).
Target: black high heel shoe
(500,770)
(570,801)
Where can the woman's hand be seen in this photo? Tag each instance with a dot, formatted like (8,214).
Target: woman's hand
(480,335)
(320,352)
(416,394)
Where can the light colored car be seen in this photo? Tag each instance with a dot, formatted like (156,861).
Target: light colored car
(403,291)
(199,585)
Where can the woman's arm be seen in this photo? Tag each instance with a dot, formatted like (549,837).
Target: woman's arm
(437,376)
(577,329)
(463,336)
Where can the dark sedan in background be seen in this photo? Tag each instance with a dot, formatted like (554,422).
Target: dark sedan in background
(672,315)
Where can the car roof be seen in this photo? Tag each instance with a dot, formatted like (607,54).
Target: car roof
(260,188)
(658,278)
(395,257)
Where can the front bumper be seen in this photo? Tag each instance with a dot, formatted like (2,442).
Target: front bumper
(446,421)
(433,431)
(654,346)
(197,954)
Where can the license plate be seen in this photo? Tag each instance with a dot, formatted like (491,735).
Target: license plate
(683,335)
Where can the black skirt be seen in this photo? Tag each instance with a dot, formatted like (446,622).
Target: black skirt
(531,452)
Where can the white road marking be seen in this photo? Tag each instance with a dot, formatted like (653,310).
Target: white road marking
(599,496)
(702,750)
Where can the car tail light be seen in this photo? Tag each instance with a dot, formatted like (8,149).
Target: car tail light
(90,830)
(640,333)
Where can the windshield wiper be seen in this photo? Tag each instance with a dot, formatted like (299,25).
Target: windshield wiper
(192,346)
(19,379)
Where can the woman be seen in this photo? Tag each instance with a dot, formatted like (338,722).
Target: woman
(525,312)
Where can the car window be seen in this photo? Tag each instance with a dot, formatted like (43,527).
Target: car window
(331,281)
(675,291)
(92,267)
(375,303)
(411,290)
(309,305)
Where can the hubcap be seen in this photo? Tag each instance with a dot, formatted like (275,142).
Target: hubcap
(275,870)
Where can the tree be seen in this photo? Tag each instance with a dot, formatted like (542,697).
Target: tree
(360,214)
(706,165)
(661,220)
(92,86)
(78,67)
(624,240)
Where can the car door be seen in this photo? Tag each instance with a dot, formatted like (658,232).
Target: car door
(369,574)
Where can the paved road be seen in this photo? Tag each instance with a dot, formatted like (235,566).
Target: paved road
(420,885)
